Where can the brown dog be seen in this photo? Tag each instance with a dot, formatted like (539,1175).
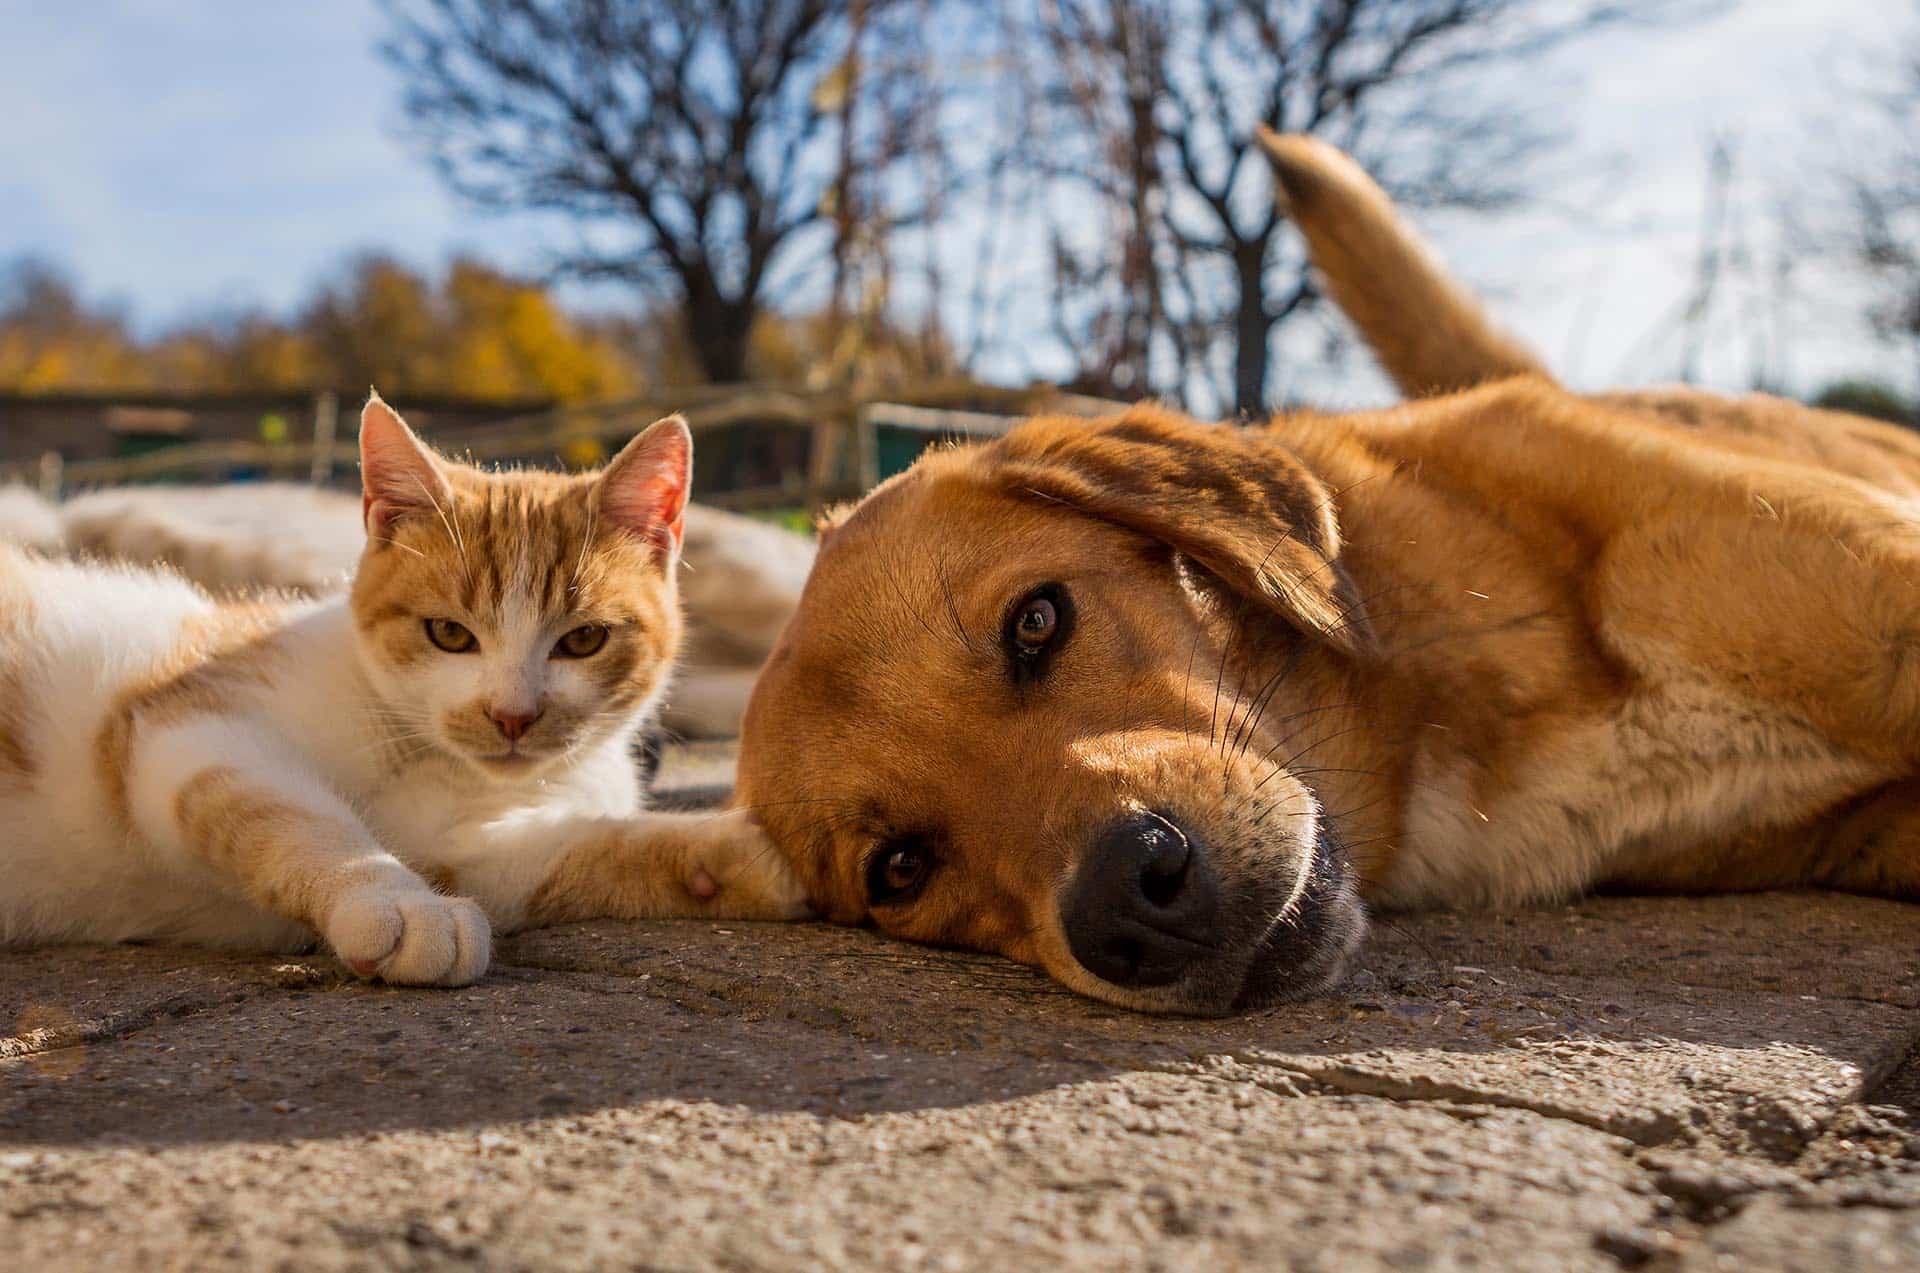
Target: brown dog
(1153,704)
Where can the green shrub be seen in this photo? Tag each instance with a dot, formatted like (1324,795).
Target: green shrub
(1868,398)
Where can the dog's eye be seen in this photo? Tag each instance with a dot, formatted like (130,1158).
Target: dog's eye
(1037,624)
(451,637)
(583,642)
(1036,627)
(898,870)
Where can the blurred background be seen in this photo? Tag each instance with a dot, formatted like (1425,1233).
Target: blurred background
(835,231)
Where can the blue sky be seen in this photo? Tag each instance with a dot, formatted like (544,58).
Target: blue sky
(187,157)
(191,155)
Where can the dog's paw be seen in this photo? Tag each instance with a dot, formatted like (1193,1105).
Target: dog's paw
(410,936)
(736,870)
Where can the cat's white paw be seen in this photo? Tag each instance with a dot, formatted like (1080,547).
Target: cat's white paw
(410,936)
(740,873)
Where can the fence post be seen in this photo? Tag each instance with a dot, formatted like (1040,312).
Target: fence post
(326,423)
(866,446)
(52,474)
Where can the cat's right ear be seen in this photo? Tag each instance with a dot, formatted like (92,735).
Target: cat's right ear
(399,475)
(643,490)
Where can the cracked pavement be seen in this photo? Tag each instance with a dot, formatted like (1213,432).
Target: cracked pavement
(1683,1084)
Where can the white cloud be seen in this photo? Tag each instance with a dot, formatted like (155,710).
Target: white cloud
(185,155)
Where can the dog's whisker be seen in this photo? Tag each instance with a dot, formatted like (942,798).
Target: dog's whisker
(944,577)
(1286,766)
(1226,653)
(1263,698)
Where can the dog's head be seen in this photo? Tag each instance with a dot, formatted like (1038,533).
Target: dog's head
(1018,711)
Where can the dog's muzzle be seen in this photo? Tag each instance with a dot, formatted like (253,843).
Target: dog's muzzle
(1148,910)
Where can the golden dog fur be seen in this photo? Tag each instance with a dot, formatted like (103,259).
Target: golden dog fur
(1490,647)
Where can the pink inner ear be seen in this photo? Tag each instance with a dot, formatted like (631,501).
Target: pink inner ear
(398,474)
(644,490)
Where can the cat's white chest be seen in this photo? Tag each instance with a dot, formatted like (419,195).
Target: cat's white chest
(1675,766)
(422,813)
(412,810)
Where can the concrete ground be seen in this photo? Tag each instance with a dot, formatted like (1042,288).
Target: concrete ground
(1658,1084)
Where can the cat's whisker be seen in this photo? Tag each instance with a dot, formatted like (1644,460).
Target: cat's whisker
(391,542)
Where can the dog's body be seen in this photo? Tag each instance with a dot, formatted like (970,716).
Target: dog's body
(1611,652)
(1502,645)
(1706,723)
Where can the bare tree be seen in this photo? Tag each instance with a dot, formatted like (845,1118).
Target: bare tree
(1885,199)
(1150,106)
(894,172)
(707,138)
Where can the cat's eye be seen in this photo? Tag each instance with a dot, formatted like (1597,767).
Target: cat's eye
(583,641)
(451,636)
(898,870)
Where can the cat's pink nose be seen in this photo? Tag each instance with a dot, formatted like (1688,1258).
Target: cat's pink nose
(512,725)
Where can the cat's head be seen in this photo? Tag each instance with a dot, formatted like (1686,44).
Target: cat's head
(516,618)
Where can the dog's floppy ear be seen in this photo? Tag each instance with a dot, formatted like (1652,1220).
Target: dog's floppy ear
(1233,501)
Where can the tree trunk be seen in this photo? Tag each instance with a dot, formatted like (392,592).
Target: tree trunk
(1251,327)
(718,330)
(1913,336)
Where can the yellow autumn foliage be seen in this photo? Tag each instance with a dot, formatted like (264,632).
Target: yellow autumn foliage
(474,332)
(477,332)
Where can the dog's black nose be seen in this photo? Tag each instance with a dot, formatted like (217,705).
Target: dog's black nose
(1141,908)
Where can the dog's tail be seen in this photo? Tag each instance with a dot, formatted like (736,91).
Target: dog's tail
(1427,331)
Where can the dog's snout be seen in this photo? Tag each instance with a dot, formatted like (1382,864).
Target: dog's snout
(1143,904)
(1165,854)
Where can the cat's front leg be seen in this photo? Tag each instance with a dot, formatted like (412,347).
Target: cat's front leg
(536,872)
(229,797)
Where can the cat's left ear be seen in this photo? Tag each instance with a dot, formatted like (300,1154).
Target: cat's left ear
(644,489)
(399,475)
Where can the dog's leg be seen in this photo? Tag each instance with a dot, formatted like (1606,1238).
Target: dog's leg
(1803,607)
(1798,602)
(1869,845)
(538,872)
(1873,845)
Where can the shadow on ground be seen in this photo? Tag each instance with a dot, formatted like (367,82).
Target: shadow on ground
(1738,1021)
(1623,1082)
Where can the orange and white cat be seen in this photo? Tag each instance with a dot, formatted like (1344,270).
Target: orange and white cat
(397,771)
